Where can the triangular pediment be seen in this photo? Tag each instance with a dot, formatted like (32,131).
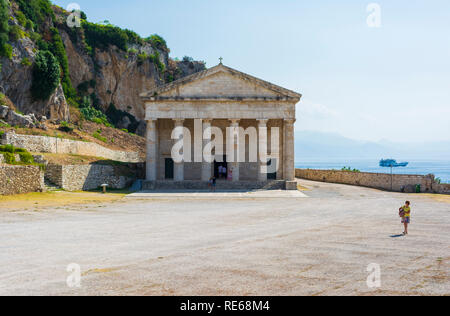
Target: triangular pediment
(220,82)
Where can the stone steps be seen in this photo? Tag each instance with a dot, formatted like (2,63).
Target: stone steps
(221,185)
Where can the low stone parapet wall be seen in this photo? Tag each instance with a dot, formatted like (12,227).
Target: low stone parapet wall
(91,177)
(442,188)
(20,179)
(45,144)
(400,182)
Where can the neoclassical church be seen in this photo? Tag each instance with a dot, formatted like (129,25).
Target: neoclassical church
(224,98)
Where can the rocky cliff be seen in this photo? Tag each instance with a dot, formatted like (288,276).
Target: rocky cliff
(106,76)
(16,80)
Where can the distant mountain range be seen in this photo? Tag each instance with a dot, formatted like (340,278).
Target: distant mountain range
(324,146)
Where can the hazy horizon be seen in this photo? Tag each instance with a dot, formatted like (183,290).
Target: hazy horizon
(365,83)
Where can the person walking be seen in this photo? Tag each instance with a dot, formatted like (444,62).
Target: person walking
(405,214)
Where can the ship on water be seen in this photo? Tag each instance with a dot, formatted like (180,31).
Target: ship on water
(391,163)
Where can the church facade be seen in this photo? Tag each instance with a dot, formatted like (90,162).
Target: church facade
(254,118)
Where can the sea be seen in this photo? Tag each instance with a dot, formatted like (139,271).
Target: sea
(441,169)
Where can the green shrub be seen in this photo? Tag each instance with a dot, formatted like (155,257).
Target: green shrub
(2,99)
(7,149)
(101,36)
(6,51)
(349,169)
(21,18)
(26,62)
(141,58)
(92,114)
(26,158)
(5,48)
(46,74)
(58,50)
(158,42)
(36,10)
(16,33)
(2,133)
(9,158)
(35,37)
(11,149)
(65,127)
(155,59)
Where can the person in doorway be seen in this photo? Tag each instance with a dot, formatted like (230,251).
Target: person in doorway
(405,214)
(224,172)
(220,171)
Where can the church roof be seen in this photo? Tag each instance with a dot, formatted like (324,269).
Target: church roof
(281,93)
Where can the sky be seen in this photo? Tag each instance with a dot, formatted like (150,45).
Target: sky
(390,82)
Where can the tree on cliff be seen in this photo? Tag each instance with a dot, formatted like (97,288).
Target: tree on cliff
(46,74)
(5,48)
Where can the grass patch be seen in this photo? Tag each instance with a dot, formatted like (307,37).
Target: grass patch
(97,135)
(56,199)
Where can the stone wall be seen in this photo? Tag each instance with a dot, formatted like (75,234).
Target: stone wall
(90,177)
(400,182)
(443,188)
(44,144)
(20,179)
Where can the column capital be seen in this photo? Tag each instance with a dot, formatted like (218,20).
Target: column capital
(235,121)
(151,120)
(178,122)
(263,122)
(290,121)
(207,121)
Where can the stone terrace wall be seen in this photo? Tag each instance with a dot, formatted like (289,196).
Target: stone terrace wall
(88,177)
(45,144)
(20,179)
(371,180)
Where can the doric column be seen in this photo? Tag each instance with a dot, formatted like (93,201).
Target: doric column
(289,169)
(152,150)
(206,165)
(235,164)
(262,137)
(179,167)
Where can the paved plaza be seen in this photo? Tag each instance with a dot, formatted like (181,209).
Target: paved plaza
(319,241)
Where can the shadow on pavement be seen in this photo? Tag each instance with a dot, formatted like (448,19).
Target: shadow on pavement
(397,236)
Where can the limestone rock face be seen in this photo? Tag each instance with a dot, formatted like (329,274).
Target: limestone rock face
(119,76)
(3,111)
(15,119)
(16,81)
(116,77)
(8,116)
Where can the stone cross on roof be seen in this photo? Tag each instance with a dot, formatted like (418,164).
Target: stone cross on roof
(221,60)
